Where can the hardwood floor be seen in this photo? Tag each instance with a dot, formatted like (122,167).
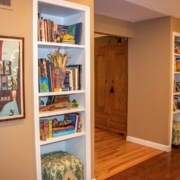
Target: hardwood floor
(113,154)
(165,166)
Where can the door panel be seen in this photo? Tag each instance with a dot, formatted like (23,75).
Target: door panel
(118,58)
(101,58)
(111,87)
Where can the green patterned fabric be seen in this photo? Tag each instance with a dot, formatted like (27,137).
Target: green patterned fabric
(176,133)
(61,166)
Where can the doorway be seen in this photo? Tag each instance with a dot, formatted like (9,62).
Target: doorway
(111,59)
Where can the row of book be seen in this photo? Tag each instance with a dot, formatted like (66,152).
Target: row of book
(49,31)
(48,81)
(50,128)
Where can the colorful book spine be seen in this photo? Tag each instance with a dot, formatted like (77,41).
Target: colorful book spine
(80,126)
(63,132)
(50,128)
(56,129)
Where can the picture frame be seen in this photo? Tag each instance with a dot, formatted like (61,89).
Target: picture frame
(12,102)
(7,5)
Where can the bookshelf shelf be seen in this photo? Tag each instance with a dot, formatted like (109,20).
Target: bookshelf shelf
(176,112)
(61,138)
(60,111)
(79,143)
(176,73)
(61,93)
(176,93)
(51,45)
(176,54)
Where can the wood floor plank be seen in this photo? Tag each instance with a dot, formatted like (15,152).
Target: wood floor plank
(164,166)
(114,154)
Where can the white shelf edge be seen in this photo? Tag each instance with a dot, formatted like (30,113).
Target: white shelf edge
(60,93)
(176,54)
(60,111)
(176,93)
(176,112)
(42,43)
(61,138)
(176,73)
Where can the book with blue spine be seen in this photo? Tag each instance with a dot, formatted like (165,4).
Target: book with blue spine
(63,132)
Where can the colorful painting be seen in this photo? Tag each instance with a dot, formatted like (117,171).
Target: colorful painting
(11,78)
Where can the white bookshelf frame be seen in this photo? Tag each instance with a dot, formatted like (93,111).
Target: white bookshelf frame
(78,144)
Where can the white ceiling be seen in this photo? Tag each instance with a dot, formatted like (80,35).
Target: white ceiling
(137,10)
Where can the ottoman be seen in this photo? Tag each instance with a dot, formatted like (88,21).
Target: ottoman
(176,133)
(61,165)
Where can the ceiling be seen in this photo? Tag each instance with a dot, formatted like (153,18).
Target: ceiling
(137,10)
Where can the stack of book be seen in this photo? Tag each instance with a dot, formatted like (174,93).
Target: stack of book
(71,123)
(72,81)
(49,31)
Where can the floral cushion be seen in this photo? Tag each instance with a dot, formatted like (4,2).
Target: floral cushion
(61,166)
(176,133)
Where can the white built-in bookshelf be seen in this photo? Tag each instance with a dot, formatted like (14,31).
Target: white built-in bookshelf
(78,143)
(175,108)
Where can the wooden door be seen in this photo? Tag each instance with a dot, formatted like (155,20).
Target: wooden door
(111,87)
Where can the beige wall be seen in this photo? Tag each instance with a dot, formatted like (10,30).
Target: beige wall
(17,153)
(112,26)
(16,137)
(149,81)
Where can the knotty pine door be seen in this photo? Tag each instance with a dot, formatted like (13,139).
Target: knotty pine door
(111,87)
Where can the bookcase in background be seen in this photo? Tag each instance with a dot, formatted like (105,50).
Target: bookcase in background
(175,104)
(79,144)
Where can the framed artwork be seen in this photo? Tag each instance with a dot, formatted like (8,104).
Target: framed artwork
(12,102)
(7,4)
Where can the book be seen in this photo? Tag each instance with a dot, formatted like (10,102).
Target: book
(177,65)
(49,75)
(63,132)
(66,80)
(73,117)
(56,129)
(75,30)
(50,129)
(69,34)
(52,31)
(43,84)
(60,31)
(50,100)
(78,75)
(69,81)
(53,79)
(60,98)
(78,117)
(41,26)
(80,126)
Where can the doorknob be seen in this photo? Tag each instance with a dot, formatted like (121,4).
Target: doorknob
(112,89)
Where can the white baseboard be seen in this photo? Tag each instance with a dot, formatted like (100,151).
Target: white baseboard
(149,143)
